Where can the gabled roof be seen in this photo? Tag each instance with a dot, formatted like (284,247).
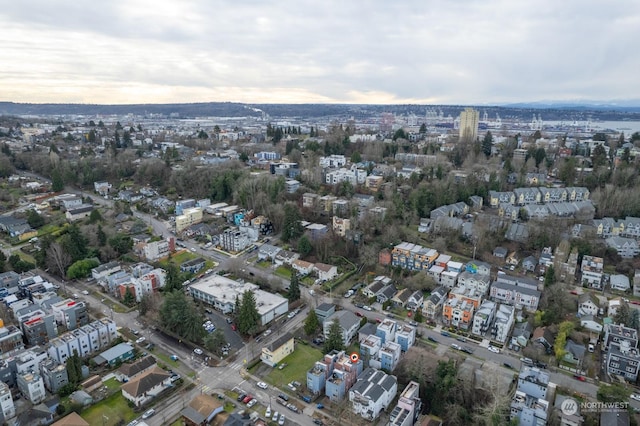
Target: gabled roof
(131,369)
(147,381)
(72,419)
(279,341)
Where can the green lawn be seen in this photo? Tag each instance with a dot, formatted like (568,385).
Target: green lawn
(166,360)
(110,411)
(283,271)
(298,363)
(112,384)
(264,264)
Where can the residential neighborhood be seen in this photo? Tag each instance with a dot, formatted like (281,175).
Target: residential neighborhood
(318,272)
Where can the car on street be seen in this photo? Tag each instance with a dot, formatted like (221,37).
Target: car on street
(493,349)
(467,349)
(461,339)
(580,377)
(85,292)
(456,346)
(140,340)
(174,357)
(148,414)
(197,351)
(367,308)
(261,385)
(413,323)
(445,333)
(193,249)
(233,327)
(318,422)
(635,397)
(431,339)
(266,333)
(359,314)
(526,361)
(509,366)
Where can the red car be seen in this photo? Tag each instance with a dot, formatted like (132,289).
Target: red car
(247,399)
(581,378)
(378,320)
(233,327)
(359,314)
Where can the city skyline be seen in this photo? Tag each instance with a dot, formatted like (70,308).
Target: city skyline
(466,52)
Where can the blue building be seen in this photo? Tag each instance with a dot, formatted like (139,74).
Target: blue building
(387,330)
(406,337)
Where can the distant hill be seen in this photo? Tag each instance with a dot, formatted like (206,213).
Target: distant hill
(522,111)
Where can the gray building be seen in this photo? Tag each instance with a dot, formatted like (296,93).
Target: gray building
(54,375)
(324,311)
(623,360)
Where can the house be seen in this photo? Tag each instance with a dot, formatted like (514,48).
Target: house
(529,263)
(415,301)
(619,282)
(201,410)
(7,407)
(326,272)
(72,419)
(324,311)
(513,294)
(303,267)
(386,294)
(376,286)
(483,318)
(574,353)
(500,252)
(348,322)
(278,350)
(146,386)
(268,252)
(529,404)
(521,334)
(588,304)
(592,269)
(544,336)
(401,298)
(627,248)
(80,212)
(129,371)
(285,257)
(192,265)
(373,392)
(118,353)
(432,306)
(589,323)
(405,336)
(613,306)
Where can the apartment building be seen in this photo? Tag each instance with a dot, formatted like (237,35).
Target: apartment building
(190,216)
(408,408)
(413,257)
(483,318)
(592,268)
(458,313)
(529,404)
(84,341)
(373,392)
(7,407)
(31,386)
(503,323)
(155,250)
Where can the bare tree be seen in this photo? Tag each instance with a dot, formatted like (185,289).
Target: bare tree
(58,259)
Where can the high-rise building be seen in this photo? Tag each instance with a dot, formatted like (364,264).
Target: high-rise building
(469,124)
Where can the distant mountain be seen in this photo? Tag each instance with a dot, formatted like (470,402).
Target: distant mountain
(551,110)
(629,105)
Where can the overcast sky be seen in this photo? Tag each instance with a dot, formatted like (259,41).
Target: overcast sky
(323,51)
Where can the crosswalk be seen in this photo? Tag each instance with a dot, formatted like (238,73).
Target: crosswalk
(236,365)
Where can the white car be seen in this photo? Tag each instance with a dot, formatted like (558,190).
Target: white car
(275,416)
(493,349)
(262,385)
(193,249)
(85,292)
(367,308)
(281,421)
(148,414)
(197,351)
(267,413)
(252,403)
(635,397)
(140,340)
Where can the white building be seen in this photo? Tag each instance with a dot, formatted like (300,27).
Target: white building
(333,161)
(483,318)
(373,392)
(353,175)
(221,293)
(7,408)
(592,269)
(619,282)
(349,324)
(31,386)
(84,341)
(503,323)
(158,249)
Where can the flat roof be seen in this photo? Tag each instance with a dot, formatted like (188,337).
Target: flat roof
(223,288)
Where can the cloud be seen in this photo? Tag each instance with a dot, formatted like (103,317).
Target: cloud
(375,51)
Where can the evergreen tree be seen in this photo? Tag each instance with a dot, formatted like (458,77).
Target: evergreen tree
(304,246)
(294,288)
(634,319)
(311,323)
(423,128)
(487,144)
(334,339)
(549,276)
(623,314)
(74,243)
(249,318)
(3,262)
(57,184)
(34,219)
(172,281)
(292,228)
(215,341)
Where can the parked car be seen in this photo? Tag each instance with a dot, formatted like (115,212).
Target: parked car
(318,422)
(580,377)
(148,414)
(526,361)
(540,364)
(261,385)
(281,420)
(493,349)
(509,366)
(445,333)
(197,351)
(275,416)
(431,339)
(267,413)
(140,340)
(467,349)
(456,346)
(283,396)
(241,397)
(367,308)
(413,323)
(252,403)
(174,357)
(635,397)
(247,399)
(461,339)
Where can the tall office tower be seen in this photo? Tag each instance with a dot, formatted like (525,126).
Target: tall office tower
(469,124)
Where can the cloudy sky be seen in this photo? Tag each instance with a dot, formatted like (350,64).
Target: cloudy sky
(328,51)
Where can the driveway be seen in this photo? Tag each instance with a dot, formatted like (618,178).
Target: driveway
(232,337)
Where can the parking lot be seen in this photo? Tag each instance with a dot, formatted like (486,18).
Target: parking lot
(232,337)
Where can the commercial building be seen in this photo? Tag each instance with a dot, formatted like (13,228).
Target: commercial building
(221,293)
(469,119)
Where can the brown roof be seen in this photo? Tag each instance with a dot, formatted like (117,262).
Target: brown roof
(137,367)
(72,419)
(324,267)
(145,382)
(204,404)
